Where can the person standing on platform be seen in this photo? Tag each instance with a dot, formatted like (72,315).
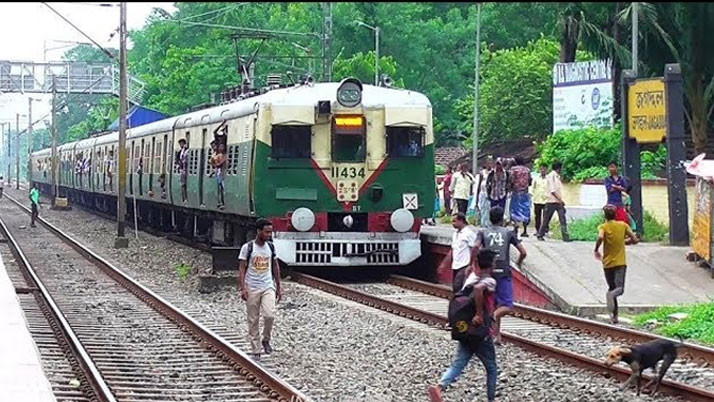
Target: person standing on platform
(484,205)
(462,253)
(34,203)
(539,198)
(481,347)
(259,279)
(520,197)
(446,186)
(615,185)
(612,234)
(554,203)
(461,188)
(497,185)
(499,239)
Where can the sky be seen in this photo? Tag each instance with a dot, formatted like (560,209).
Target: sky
(33,28)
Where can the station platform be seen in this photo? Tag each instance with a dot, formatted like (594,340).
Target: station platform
(21,374)
(573,279)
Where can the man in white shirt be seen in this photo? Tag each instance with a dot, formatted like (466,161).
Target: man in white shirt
(554,203)
(461,188)
(259,280)
(463,251)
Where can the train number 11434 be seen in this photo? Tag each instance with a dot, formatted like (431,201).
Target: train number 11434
(347,172)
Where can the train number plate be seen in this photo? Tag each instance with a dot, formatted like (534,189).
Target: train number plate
(347,190)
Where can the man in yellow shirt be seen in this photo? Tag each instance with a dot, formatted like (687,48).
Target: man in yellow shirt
(612,233)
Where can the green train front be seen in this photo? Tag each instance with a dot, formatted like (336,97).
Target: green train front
(345,173)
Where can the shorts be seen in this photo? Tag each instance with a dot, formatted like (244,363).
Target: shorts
(504,291)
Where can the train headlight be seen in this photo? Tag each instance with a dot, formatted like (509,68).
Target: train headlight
(402,220)
(349,93)
(303,219)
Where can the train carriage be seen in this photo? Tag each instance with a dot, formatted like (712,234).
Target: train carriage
(345,172)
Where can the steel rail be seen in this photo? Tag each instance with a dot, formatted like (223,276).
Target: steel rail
(98,387)
(701,355)
(267,382)
(691,393)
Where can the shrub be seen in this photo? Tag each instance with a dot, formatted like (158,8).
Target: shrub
(587,229)
(183,270)
(699,324)
(439,170)
(586,152)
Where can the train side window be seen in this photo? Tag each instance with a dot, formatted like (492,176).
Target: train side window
(405,142)
(291,141)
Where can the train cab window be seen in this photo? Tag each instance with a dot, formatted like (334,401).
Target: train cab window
(405,142)
(291,141)
(349,139)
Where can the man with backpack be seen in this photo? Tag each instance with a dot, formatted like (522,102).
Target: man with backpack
(470,316)
(259,279)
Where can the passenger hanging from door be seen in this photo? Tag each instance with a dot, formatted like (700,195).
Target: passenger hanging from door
(182,165)
(219,160)
(109,169)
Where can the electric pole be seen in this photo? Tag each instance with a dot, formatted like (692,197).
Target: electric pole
(327,42)
(9,138)
(635,37)
(55,185)
(476,79)
(17,151)
(121,240)
(29,142)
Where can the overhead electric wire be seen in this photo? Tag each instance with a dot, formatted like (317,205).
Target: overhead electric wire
(108,53)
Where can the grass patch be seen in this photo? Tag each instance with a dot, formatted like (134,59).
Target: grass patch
(586,229)
(699,325)
(183,270)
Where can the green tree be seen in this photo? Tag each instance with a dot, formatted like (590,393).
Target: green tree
(361,66)
(515,93)
(680,32)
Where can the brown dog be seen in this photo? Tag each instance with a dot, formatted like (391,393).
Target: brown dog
(642,357)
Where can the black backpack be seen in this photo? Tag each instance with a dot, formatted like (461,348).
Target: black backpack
(462,309)
(250,251)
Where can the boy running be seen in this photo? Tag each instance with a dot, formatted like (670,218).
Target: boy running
(612,233)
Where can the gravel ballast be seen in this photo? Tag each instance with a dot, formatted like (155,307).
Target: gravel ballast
(332,349)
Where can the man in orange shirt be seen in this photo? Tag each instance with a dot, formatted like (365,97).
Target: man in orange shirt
(612,233)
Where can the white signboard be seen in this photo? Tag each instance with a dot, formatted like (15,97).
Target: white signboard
(582,94)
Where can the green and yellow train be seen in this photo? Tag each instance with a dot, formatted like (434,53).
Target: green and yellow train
(345,172)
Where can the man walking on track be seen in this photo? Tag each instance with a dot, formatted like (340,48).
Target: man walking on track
(463,251)
(34,203)
(499,239)
(612,233)
(480,286)
(259,279)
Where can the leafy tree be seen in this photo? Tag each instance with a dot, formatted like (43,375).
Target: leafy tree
(515,93)
(680,32)
(361,66)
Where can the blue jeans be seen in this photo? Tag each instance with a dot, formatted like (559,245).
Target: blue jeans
(486,353)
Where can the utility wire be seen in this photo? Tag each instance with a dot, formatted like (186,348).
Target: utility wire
(111,56)
(256,30)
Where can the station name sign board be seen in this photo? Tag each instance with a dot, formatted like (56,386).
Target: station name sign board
(647,110)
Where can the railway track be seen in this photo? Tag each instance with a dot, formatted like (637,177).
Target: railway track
(135,346)
(575,341)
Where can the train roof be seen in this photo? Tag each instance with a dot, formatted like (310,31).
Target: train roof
(300,95)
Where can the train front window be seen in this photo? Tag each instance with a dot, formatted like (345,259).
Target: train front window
(348,139)
(405,142)
(291,142)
